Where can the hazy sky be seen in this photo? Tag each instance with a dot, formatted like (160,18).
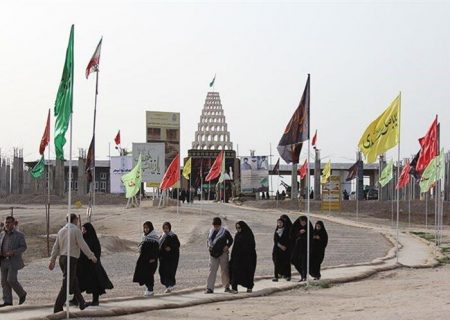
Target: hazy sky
(161,56)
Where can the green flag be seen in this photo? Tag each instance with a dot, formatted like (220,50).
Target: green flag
(433,172)
(387,174)
(64,99)
(132,180)
(39,168)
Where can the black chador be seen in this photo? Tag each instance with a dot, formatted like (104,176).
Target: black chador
(169,254)
(318,244)
(243,258)
(299,233)
(281,253)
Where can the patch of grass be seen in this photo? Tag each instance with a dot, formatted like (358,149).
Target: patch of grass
(445,249)
(320,284)
(444,260)
(424,235)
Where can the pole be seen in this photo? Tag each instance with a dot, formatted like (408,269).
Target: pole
(398,176)
(270,164)
(93,160)
(392,204)
(426,210)
(69,204)
(409,205)
(48,203)
(308,182)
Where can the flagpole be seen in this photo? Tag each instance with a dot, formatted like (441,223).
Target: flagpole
(426,210)
(69,209)
(398,175)
(308,200)
(48,200)
(270,164)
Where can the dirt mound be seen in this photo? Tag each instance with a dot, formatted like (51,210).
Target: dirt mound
(114,244)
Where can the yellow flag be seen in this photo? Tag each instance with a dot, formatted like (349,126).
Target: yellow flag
(187,168)
(383,133)
(326,172)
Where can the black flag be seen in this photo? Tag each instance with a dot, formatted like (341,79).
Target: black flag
(352,172)
(297,130)
(276,167)
(90,161)
(413,164)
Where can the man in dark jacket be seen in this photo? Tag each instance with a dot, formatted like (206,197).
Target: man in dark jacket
(219,243)
(12,245)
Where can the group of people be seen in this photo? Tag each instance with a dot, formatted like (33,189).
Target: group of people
(235,257)
(290,247)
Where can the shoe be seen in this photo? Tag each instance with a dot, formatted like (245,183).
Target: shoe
(22,299)
(5,305)
(301,280)
(249,290)
(288,279)
(168,290)
(227,290)
(94,303)
(83,306)
(275,279)
(208,291)
(232,291)
(148,293)
(73,302)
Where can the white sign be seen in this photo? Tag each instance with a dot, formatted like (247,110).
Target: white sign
(119,167)
(254,174)
(153,161)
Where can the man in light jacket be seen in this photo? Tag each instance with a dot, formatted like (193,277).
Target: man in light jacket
(12,245)
(77,243)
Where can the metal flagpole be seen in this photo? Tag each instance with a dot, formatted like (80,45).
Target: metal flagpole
(392,203)
(270,164)
(48,202)
(93,149)
(426,210)
(69,208)
(308,199)
(398,176)
(409,204)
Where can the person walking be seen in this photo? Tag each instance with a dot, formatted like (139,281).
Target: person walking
(12,245)
(300,231)
(318,244)
(243,258)
(77,244)
(169,254)
(92,277)
(219,243)
(147,263)
(281,253)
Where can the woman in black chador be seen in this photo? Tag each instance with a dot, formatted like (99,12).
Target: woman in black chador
(243,258)
(281,254)
(91,276)
(318,245)
(169,254)
(299,235)
(148,259)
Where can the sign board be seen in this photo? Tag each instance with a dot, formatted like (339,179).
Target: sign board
(331,194)
(119,167)
(152,156)
(254,174)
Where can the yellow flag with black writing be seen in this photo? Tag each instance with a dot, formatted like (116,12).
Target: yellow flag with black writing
(187,168)
(326,173)
(383,133)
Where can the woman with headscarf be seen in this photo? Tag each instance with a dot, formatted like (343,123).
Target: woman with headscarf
(243,258)
(169,254)
(92,277)
(281,253)
(318,244)
(147,263)
(299,235)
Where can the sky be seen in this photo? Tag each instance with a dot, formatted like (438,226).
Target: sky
(161,56)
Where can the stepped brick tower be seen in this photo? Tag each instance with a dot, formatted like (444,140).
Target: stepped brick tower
(212,133)
(211,137)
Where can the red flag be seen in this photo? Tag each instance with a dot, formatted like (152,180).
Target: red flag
(46,136)
(172,174)
(314,140)
(216,168)
(303,169)
(428,147)
(95,60)
(117,138)
(404,176)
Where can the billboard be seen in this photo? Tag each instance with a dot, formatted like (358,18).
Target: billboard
(164,127)
(331,194)
(152,157)
(119,167)
(254,174)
